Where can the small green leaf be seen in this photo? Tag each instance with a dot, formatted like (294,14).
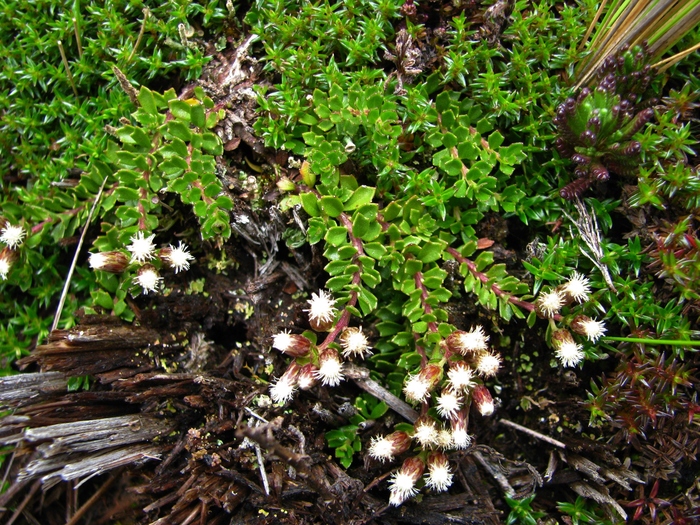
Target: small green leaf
(361,196)
(336,236)
(309,202)
(180,109)
(331,206)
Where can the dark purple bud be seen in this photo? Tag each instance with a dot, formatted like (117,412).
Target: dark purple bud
(575,188)
(581,171)
(594,123)
(599,172)
(588,138)
(581,96)
(580,159)
(633,149)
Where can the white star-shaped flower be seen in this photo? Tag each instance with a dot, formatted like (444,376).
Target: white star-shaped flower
(461,377)
(569,353)
(179,258)
(474,340)
(549,303)
(381,449)
(148,279)
(354,342)
(416,388)
(487,364)
(402,487)
(439,476)
(578,287)
(282,391)
(142,248)
(321,307)
(448,404)
(593,329)
(426,433)
(12,235)
(5,266)
(330,369)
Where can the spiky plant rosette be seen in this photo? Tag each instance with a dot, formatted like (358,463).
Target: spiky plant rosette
(596,128)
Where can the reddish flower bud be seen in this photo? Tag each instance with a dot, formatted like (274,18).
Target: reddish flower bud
(112,262)
(291,344)
(483,400)
(388,447)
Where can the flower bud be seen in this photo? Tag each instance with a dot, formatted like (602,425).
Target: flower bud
(307,376)
(291,344)
(460,437)
(112,262)
(403,481)
(286,184)
(388,447)
(482,400)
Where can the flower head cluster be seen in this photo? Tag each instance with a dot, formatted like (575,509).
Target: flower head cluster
(354,343)
(148,278)
(177,258)
(142,248)
(12,236)
(330,368)
(439,477)
(321,311)
(566,349)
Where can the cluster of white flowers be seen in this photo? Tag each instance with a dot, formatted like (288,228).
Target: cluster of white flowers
(142,249)
(549,305)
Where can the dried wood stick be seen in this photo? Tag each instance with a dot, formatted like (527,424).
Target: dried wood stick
(361,377)
(533,433)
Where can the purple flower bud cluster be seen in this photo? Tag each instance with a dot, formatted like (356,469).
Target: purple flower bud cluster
(595,129)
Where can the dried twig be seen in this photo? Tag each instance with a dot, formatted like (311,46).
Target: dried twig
(587,226)
(533,433)
(362,379)
(64,293)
